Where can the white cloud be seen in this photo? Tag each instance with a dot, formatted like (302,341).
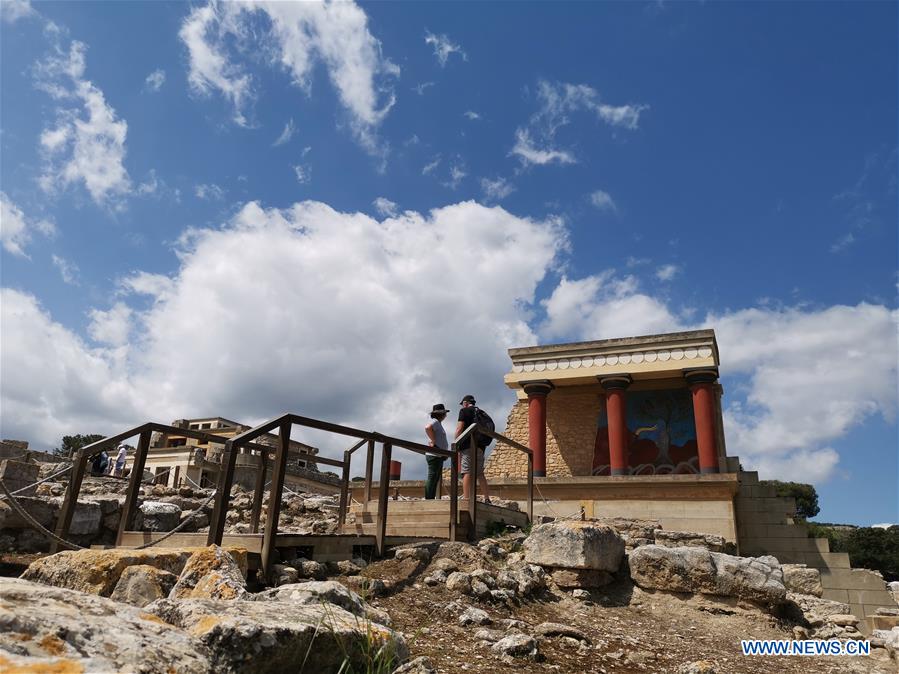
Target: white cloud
(497,189)
(303,172)
(421,87)
(16,228)
(155,80)
(386,345)
(67,270)
(286,134)
(301,35)
(85,146)
(431,166)
(810,374)
(632,261)
(13,10)
(471,114)
(603,201)
(535,143)
(111,327)
(457,173)
(443,48)
(528,153)
(385,207)
(667,272)
(842,243)
(209,191)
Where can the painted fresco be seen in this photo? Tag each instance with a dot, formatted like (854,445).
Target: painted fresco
(662,434)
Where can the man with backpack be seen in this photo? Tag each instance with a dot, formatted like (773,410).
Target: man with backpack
(468,415)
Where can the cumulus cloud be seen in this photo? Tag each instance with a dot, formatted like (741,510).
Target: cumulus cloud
(497,189)
(385,207)
(209,192)
(443,48)
(299,36)
(471,114)
(535,143)
(801,377)
(667,272)
(603,201)
(13,10)
(16,229)
(155,80)
(86,145)
(111,327)
(405,305)
(67,270)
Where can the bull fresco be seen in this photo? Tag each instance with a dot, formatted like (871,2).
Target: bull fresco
(662,434)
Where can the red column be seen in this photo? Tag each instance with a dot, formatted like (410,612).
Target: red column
(702,386)
(395,470)
(616,412)
(537,392)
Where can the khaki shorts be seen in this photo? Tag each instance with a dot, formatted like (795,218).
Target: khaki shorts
(466,462)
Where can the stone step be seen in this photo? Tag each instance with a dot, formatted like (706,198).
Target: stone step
(776,545)
(883,622)
(422,530)
(817,560)
(852,579)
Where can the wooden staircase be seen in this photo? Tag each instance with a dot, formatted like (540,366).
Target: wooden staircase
(427,518)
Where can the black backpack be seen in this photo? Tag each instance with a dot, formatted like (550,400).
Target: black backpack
(483,419)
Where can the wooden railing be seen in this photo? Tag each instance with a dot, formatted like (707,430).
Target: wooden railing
(285,424)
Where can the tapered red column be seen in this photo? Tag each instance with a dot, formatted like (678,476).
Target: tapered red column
(702,386)
(537,392)
(616,412)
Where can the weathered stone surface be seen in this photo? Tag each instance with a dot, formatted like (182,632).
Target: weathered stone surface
(894,589)
(803,580)
(633,531)
(40,509)
(87,518)
(19,475)
(417,552)
(816,611)
(890,637)
(49,629)
(142,584)
(459,581)
(419,665)
(698,570)
(365,587)
(488,635)
(843,619)
(560,630)
(250,638)
(211,573)
(98,571)
(679,539)
(159,516)
(575,545)
(284,575)
(318,592)
(516,645)
(308,568)
(571,578)
(697,667)
(474,616)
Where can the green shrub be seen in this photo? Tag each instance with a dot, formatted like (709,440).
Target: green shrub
(805,495)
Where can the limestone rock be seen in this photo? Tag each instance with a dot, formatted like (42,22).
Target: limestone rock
(474,616)
(365,587)
(816,611)
(894,589)
(697,667)
(516,645)
(59,630)
(801,579)
(678,539)
(488,635)
(308,568)
(698,570)
(159,516)
(574,578)
(98,571)
(211,573)
(575,545)
(560,630)
(843,619)
(419,665)
(318,592)
(250,638)
(444,564)
(635,532)
(419,553)
(284,575)
(142,584)
(40,509)
(458,581)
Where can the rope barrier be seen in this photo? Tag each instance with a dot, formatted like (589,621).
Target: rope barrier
(183,524)
(46,479)
(25,515)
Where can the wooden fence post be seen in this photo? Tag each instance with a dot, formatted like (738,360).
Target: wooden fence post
(454,495)
(473,487)
(369,463)
(137,474)
(223,497)
(274,500)
(258,491)
(383,488)
(344,489)
(71,499)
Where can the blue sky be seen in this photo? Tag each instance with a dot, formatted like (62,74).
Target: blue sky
(349,210)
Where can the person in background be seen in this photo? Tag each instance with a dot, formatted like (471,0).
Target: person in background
(467,416)
(99,464)
(436,438)
(120,461)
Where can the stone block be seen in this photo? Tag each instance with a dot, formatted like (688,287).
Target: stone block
(19,475)
(580,578)
(575,545)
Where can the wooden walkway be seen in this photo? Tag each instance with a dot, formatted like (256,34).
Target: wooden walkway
(429,519)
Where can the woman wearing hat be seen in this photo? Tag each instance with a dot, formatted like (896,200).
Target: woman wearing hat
(436,438)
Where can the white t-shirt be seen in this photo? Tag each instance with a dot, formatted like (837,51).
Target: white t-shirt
(120,458)
(439,435)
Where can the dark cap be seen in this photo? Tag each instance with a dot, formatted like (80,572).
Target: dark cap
(468,399)
(439,409)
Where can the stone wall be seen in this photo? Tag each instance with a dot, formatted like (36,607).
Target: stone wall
(571,416)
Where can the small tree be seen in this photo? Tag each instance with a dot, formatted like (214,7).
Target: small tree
(72,443)
(805,495)
(875,548)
